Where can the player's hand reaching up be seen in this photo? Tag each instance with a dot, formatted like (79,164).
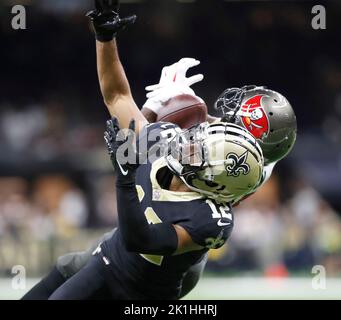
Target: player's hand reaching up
(175,74)
(121,148)
(106,20)
(173,82)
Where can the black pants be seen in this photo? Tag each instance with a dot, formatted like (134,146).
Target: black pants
(69,265)
(91,283)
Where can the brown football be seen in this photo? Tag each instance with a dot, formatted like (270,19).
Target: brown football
(184,110)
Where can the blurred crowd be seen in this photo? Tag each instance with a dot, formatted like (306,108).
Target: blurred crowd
(278,237)
(56,179)
(272,235)
(53,205)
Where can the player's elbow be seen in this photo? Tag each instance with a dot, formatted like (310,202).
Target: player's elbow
(112,95)
(110,99)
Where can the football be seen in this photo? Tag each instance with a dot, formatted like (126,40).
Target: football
(184,110)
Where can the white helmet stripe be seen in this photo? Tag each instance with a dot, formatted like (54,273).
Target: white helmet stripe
(234,130)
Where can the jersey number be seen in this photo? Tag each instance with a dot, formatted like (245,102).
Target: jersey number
(224,211)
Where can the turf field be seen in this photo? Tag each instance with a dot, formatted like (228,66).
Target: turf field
(233,288)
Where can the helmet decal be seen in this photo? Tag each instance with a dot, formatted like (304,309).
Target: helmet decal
(254,117)
(238,165)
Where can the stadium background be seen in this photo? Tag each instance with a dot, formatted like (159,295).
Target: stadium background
(56,183)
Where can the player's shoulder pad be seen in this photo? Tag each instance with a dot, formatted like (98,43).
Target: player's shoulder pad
(211,225)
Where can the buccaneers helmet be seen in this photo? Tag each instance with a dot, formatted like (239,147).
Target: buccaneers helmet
(220,160)
(266,114)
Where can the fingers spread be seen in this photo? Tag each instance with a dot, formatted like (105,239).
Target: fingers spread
(153,87)
(128,20)
(158,92)
(113,126)
(186,63)
(194,79)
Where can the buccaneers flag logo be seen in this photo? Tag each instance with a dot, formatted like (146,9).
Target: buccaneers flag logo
(254,117)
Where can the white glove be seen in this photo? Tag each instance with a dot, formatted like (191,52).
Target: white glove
(173,82)
(176,73)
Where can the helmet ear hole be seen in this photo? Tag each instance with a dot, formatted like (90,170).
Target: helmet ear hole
(276,100)
(271,114)
(211,184)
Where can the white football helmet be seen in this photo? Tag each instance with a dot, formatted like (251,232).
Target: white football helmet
(220,160)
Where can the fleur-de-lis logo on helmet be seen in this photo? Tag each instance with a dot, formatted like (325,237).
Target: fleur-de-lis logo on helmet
(238,165)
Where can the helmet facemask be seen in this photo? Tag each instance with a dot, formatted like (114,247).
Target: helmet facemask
(230,102)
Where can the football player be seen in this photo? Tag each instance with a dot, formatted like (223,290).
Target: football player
(265,113)
(275,130)
(173,82)
(172,209)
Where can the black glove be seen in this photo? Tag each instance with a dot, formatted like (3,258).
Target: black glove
(121,149)
(106,20)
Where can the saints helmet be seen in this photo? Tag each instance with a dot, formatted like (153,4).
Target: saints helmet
(266,114)
(220,160)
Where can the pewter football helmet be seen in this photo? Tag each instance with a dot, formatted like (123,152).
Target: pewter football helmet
(266,114)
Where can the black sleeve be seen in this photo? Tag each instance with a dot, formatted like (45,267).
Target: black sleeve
(211,225)
(137,234)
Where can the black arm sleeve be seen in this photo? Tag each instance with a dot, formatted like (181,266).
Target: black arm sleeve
(137,234)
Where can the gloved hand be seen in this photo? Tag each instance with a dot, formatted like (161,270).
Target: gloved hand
(121,148)
(176,74)
(173,82)
(106,21)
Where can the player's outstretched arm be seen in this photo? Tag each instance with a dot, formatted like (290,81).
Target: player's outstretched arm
(112,78)
(115,87)
(138,235)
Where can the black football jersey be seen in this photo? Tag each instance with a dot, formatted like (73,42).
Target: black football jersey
(208,223)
